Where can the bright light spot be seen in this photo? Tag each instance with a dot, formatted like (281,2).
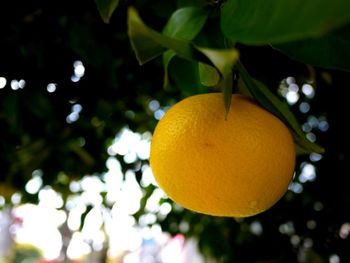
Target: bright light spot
(14,84)
(295,240)
(311,224)
(184,227)
(293,87)
(74,186)
(131,145)
(287,228)
(74,217)
(290,80)
(308,90)
(77,108)
(158,114)
(123,234)
(344,230)
(37,172)
(304,107)
(315,157)
(51,87)
(33,185)
(21,83)
(74,78)
(2,201)
(171,253)
(312,121)
(147,177)
(152,204)
(39,228)
(323,125)
(50,198)
(16,198)
(292,97)
(131,194)
(143,149)
(93,198)
(79,69)
(306,127)
(334,258)
(256,228)
(91,231)
(153,105)
(130,157)
(74,116)
(77,246)
(164,209)
(147,219)
(92,184)
(296,187)
(311,137)
(308,173)
(3,82)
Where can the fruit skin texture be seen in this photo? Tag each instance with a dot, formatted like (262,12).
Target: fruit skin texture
(236,167)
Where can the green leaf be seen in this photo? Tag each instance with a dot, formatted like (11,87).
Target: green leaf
(185,74)
(330,51)
(224,60)
(276,21)
(106,8)
(148,44)
(271,102)
(184,23)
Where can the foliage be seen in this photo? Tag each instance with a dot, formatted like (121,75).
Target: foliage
(199,42)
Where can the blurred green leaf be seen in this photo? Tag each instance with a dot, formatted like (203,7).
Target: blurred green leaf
(274,21)
(330,51)
(106,8)
(270,101)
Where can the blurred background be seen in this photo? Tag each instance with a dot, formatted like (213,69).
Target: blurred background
(76,119)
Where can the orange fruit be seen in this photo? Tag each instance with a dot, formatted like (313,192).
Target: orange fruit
(237,167)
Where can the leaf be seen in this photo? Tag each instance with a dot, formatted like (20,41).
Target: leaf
(224,60)
(185,74)
(106,8)
(271,102)
(275,21)
(330,51)
(184,23)
(148,44)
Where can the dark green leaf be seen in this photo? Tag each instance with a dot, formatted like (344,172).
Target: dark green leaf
(275,21)
(185,75)
(270,101)
(184,23)
(330,51)
(148,44)
(106,8)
